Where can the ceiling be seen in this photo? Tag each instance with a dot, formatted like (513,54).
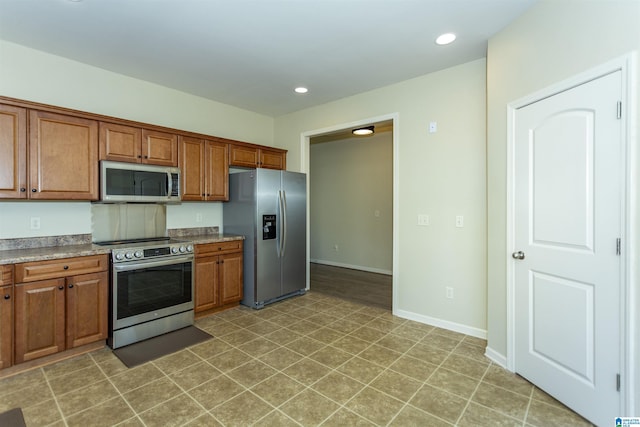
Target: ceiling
(252,53)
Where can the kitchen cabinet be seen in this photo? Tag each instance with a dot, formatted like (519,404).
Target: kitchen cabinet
(133,144)
(256,157)
(6,315)
(55,158)
(218,275)
(59,305)
(204,165)
(13,146)
(63,157)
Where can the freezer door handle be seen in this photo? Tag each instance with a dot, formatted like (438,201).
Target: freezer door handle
(282,207)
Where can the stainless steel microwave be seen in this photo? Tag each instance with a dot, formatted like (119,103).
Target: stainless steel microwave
(137,183)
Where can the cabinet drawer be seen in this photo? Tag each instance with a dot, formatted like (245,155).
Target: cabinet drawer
(41,270)
(6,275)
(208,249)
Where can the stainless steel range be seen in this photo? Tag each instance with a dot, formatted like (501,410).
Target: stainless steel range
(151,288)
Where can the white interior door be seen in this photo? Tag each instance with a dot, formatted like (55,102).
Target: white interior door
(567,222)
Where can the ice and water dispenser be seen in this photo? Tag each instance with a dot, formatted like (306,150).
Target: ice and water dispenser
(268,227)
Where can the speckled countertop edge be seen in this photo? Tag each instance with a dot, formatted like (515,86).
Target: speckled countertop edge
(15,256)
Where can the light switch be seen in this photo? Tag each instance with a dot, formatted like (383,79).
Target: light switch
(459,221)
(433,127)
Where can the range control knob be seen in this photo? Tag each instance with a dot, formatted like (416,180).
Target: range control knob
(174,250)
(189,248)
(129,255)
(138,254)
(119,256)
(183,249)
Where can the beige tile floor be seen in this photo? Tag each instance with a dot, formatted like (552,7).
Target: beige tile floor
(311,360)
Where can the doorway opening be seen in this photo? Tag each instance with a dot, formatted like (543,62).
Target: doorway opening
(351,204)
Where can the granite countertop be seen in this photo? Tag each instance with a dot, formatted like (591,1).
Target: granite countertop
(66,248)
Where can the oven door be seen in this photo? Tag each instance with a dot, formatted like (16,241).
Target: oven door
(149,290)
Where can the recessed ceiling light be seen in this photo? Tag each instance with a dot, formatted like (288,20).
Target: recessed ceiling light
(445,38)
(301,90)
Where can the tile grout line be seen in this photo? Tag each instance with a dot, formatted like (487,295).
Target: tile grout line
(55,398)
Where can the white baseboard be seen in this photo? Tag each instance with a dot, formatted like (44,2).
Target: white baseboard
(352,267)
(496,357)
(444,324)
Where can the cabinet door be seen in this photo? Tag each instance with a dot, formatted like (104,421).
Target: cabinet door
(120,143)
(63,157)
(206,283)
(272,159)
(87,308)
(240,155)
(39,319)
(6,326)
(13,146)
(159,148)
(217,167)
(230,278)
(192,167)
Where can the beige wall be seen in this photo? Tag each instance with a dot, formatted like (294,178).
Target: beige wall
(37,76)
(551,42)
(440,174)
(350,180)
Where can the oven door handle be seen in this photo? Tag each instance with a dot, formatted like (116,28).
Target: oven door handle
(145,264)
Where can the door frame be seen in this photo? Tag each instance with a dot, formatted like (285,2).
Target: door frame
(629,269)
(305,155)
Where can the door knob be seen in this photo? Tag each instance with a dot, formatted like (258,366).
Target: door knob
(518,255)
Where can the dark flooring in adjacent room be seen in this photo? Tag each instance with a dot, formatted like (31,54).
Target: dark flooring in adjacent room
(357,286)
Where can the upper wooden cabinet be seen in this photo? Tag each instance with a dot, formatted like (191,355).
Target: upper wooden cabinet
(63,157)
(205,169)
(254,157)
(13,146)
(131,144)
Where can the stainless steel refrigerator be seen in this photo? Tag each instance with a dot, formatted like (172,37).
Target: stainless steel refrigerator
(269,207)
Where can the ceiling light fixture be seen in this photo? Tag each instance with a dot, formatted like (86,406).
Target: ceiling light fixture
(301,90)
(367,130)
(445,38)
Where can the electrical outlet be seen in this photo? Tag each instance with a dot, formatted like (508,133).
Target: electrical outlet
(423,219)
(35,223)
(335,248)
(459,221)
(198,217)
(449,292)
(376,213)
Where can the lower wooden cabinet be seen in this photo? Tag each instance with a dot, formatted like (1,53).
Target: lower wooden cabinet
(6,326)
(60,313)
(218,275)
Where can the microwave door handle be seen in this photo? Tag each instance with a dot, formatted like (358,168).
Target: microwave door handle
(169,185)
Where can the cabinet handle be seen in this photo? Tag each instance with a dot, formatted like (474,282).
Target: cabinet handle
(66,267)
(61,287)
(33,190)
(222,262)
(71,286)
(146,157)
(139,157)
(7,296)
(22,190)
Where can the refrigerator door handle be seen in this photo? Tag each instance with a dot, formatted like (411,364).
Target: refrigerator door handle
(280,235)
(283,196)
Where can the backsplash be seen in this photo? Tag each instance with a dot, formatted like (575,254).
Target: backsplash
(191,232)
